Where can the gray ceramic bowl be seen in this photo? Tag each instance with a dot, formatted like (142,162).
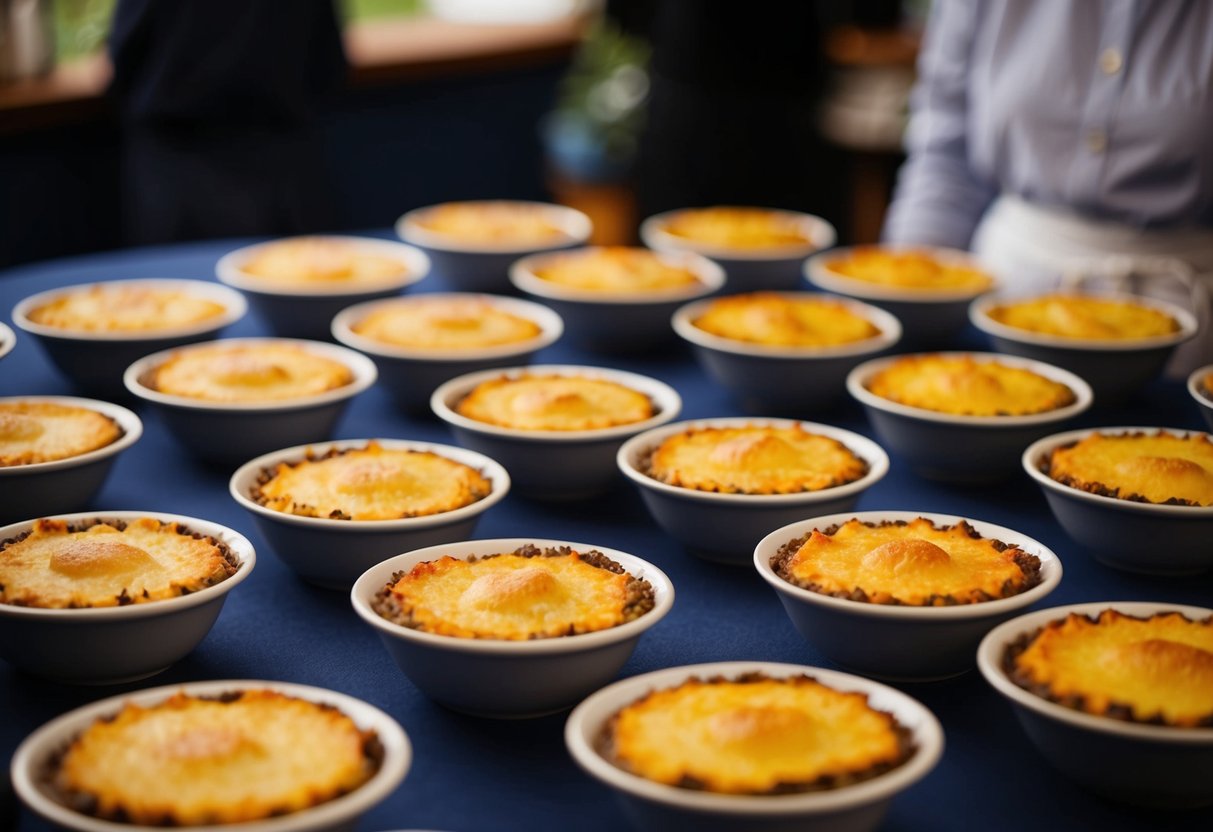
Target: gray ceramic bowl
(94,361)
(411,374)
(1114,369)
(8,339)
(554,465)
(785,381)
(1123,534)
(945,446)
(307,311)
(232,432)
(656,806)
(725,527)
(65,484)
(333,553)
(1201,393)
(508,679)
(1145,765)
(748,270)
(108,645)
(338,815)
(484,267)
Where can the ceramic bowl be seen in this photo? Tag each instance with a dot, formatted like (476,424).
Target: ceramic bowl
(33,757)
(411,374)
(903,643)
(724,527)
(228,432)
(500,678)
(655,806)
(785,381)
(1201,393)
(1123,534)
(94,361)
(554,465)
(1145,765)
(614,322)
(307,311)
(8,339)
(484,267)
(108,645)
(945,446)
(64,484)
(333,553)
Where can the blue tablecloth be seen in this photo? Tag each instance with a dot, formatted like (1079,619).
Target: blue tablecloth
(475,774)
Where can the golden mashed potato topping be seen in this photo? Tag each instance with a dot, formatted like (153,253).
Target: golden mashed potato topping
(741,228)
(192,761)
(445,324)
(1084,316)
(551,402)
(777,320)
(755,735)
(617,270)
(486,223)
(916,269)
(321,261)
(1146,468)
(965,386)
(370,483)
(915,564)
(1157,669)
(125,308)
(248,372)
(32,432)
(60,565)
(754,459)
(529,593)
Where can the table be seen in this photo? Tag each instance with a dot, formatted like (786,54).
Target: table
(473,774)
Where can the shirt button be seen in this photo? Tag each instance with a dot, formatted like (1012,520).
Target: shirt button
(1110,61)
(1097,141)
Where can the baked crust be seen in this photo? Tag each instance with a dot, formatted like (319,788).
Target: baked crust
(913,563)
(914,269)
(321,261)
(121,307)
(755,735)
(1085,316)
(1156,670)
(964,386)
(530,593)
(445,324)
(33,432)
(737,227)
(780,321)
(243,372)
(553,402)
(1159,468)
(500,222)
(617,270)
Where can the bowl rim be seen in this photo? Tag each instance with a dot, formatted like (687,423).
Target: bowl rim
(1083,395)
(819,232)
(980,318)
(362,368)
(50,735)
(234,303)
(8,339)
(711,278)
(629,453)
(888,324)
(924,726)
(575,225)
(1050,569)
(551,327)
(1196,390)
(229,269)
(126,419)
(989,663)
(234,540)
(818,271)
(245,475)
(1048,443)
(374,578)
(665,397)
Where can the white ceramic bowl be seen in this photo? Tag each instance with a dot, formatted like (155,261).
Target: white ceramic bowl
(108,645)
(483,267)
(411,374)
(33,757)
(725,527)
(1124,534)
(333,553)
(555,464)
(1200,393)
(656,806)
(1145,765)
(94,361)
(307,311)
(785,381)
(903,643)
(508,679)
(8,339)
(1114,369)
(227,432)
(946,446)
(748,270)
